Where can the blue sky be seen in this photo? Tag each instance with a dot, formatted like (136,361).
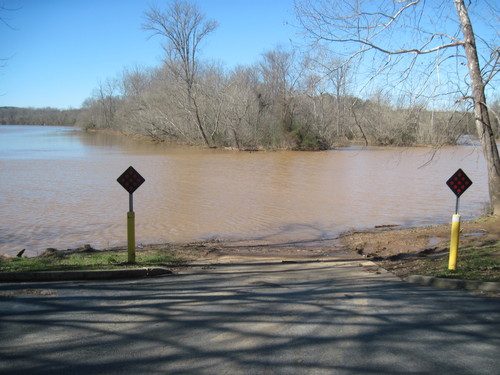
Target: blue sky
(59,50)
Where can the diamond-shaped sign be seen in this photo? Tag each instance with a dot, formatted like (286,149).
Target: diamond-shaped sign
(459,182)
(130,180)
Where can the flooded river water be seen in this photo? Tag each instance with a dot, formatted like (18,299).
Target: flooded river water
(58,189)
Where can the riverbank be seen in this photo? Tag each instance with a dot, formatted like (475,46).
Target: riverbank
(403,252)
(424,250)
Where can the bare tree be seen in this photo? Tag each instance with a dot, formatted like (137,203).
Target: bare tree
(183,27)
(241,108)
(279,80)
(398,36)
(134,82)
(483,123)
(106,99)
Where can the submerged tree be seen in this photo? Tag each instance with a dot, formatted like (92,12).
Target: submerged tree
(421,42)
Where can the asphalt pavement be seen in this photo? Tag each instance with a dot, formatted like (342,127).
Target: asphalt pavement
(335,316)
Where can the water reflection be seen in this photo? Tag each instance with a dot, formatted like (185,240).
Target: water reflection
(64,193)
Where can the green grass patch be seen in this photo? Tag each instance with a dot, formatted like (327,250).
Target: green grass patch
(473,263)
(97,260)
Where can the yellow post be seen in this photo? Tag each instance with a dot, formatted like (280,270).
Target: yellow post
(131,236)
(455,232)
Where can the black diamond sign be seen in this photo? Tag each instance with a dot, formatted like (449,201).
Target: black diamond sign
(459,182)
(130,180)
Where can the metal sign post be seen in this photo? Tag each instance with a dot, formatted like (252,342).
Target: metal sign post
(131,180)
(458,183)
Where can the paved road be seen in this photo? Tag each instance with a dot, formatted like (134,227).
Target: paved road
(329,317)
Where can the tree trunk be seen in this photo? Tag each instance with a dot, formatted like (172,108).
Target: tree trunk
(482,118)
(199,122)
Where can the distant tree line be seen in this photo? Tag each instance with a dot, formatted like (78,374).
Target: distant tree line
(275,104)
(38,116)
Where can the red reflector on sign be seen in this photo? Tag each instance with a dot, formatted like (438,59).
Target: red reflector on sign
(459,182)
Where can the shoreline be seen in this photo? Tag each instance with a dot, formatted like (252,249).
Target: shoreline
(417,254)
(379,242)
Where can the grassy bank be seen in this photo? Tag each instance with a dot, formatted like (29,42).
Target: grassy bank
(474,263)
(73,260)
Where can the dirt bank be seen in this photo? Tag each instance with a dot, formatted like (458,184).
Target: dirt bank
(401,251)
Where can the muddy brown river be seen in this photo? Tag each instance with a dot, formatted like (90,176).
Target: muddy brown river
(58,189)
